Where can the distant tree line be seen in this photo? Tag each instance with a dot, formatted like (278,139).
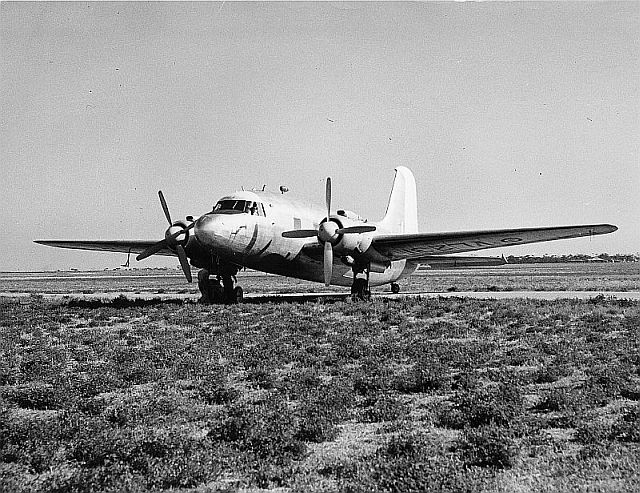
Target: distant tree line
(549,259)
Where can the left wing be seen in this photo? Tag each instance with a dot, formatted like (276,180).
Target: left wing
(124,246)
(415,246)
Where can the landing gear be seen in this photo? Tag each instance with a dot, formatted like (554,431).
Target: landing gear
(214,293)
(229,293)
(360,287)
(395,288)
(239,293)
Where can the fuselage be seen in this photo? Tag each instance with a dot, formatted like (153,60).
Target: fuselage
(245,229)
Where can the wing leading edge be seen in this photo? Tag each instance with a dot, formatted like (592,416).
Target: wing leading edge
(123,246)
(415,246)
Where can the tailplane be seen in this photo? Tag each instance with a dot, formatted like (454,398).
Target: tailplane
(402,210)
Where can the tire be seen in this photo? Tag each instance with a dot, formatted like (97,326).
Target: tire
(358,286)
(238,294)
(395,288)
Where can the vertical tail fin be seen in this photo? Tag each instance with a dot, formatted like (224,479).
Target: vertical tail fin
(402,210)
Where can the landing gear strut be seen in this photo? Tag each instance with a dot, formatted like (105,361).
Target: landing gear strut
(360,287)
(215,293)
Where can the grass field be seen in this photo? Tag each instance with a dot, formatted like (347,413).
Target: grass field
(402,395)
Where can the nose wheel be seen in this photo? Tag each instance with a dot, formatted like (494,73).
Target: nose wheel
(214,293)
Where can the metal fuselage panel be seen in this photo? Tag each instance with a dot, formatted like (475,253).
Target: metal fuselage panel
(256,241)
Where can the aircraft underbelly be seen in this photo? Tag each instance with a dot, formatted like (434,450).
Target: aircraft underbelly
(264,249)
(303,267)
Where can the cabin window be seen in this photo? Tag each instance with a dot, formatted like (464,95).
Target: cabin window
(255,208)
(251,207)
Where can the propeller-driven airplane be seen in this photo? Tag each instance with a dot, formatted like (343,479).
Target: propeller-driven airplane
(272,233)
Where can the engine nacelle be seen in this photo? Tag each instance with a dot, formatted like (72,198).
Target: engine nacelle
(351,215)
(351,243)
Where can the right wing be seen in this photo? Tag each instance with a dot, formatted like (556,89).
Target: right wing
(124,246)
(418,245)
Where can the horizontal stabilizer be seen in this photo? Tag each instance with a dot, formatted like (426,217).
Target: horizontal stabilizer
(452,262)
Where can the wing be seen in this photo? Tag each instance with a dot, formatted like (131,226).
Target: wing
(124,246)
(415,246)
(450,261)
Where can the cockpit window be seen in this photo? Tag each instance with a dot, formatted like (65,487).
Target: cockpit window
(238,206)
(230,205)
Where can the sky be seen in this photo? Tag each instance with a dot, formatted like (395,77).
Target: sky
(510,115)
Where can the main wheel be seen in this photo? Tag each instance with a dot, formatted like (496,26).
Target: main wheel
(395,288)
(203,286)
(216,292)
(238,294)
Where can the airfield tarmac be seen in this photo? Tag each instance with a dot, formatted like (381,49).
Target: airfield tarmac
(534,281)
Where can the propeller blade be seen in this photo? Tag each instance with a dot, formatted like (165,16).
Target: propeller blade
(155,248)
(300,233)
(328,197)
(356,229)
(184,262)
(328,263)
(163,203)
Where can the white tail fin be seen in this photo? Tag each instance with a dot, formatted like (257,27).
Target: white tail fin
(402,210)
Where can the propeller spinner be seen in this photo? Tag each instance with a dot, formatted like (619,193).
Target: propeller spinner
(328,233)
(171,240)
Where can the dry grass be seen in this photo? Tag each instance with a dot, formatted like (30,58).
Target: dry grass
(406,395)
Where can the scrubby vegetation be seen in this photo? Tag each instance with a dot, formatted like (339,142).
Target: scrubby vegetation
(404,395)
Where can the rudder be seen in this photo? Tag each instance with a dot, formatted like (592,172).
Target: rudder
(402,210)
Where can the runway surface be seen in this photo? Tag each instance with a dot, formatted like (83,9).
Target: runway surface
(533,281)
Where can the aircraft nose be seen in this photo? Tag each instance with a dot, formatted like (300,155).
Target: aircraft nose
(210,230)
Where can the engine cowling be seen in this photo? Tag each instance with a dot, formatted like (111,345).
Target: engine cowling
(353,243)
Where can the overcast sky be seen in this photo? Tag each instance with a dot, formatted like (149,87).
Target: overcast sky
(509,115)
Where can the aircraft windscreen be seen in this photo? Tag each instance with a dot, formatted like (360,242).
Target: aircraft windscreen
(230,205)
(236,206)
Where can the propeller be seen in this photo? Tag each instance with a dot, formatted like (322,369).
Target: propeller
(163,203)
(328,247)
(328,263)
(171,240)
(327,233)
